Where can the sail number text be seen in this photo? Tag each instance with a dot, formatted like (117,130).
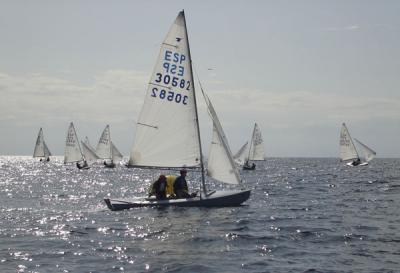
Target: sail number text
(169,95)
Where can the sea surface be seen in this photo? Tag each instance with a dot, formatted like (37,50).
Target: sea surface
(304,215)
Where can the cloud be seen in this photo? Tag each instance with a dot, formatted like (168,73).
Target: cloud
(343,28)
(111,96)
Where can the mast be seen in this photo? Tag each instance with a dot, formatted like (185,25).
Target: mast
(77,141)
(251,142)
(203,184)
(351,140)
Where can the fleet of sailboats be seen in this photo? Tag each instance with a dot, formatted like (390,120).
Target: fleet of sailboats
(167,136)
(168,132)
(41,150)
(348,151)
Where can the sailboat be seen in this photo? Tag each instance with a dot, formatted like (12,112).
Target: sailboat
(88,151)
(348,151)
(73,152)
(168,133)
(41,150)
(256,149)
(106,149)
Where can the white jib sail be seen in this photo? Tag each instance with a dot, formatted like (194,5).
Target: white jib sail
(73,152)
(241,155)
(220,165)
(46,150)
(347,149)
(89,146)
(368,153)
(166,131)
(256,145)
(116,155)
(89,154)
(103,149)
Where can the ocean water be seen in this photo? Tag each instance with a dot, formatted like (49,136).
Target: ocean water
(304,215)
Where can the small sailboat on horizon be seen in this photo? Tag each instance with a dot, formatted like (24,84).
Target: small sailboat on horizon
(348,151)
(41,150)
(107,150)
(168,133)
(256,149)
(73,152)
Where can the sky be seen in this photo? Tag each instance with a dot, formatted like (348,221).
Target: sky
(297,68)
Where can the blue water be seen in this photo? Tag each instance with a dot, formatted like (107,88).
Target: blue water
(304,215)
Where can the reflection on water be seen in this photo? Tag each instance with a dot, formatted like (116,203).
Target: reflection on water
(303,215)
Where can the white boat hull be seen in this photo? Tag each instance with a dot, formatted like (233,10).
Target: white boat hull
(214,199)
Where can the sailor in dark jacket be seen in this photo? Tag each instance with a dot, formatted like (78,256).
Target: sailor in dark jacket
(160,187)
(180,186)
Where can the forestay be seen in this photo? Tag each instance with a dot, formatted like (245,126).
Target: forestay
(347,149)
(73,152)
(256,145)
(166,131)
(368,153)
(220,165)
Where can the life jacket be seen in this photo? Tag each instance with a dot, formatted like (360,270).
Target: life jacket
(170,184)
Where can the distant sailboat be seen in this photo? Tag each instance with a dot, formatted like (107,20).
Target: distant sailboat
(348,151)
(168,132)
(256,149)
(106,149)
(41,150)
(73,151)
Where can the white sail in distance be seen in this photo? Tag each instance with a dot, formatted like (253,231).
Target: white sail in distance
(367,152)
(220,165)
(89,154)
(73,152)
(166,130)
(347,149)
(240,156)
(41,149)
(89,146)
(256,151)
(116,154)
(103,149)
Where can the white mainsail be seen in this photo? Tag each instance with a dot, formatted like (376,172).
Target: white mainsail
(103,149)
(240,156)
(41,149)
(347,149)
(89,154)
(256,151)
(221,165)
(368,153)
(73,152)
(166,131)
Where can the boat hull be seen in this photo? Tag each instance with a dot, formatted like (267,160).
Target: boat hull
(214,199)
